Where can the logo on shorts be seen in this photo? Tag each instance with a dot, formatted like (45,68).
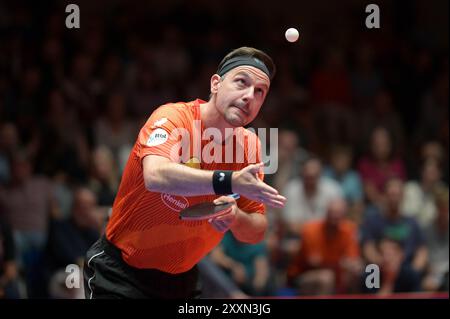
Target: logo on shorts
(176,203)
(158,137)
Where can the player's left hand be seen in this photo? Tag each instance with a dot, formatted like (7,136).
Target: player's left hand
(223,222)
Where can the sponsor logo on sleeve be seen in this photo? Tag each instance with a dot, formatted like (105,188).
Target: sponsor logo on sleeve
(158,137)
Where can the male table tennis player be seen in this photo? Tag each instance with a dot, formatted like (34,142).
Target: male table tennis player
(147,251)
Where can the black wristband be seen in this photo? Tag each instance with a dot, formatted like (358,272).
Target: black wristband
(222,182)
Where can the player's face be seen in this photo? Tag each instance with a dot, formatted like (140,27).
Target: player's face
(241,93)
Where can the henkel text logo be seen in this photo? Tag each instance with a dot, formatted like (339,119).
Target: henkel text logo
(176,203)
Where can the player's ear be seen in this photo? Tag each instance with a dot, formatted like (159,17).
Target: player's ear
(215,83)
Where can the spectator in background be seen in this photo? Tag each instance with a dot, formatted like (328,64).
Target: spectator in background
(434,150)
(80,86)
(9,143)
(395,276)
(382,113)
(328,260)
(112,74)
(216,283)
(9,273)
(418,200)
(104,179)
(70,239)
(309,195)
(146,93)
(27,202)
(379,165)
(365,79)
(114,130)
(247,265)
(437,241)
(62,145)
(404,239)
(340,170)
(290,158)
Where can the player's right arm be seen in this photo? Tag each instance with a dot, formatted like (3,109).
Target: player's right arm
(164,176)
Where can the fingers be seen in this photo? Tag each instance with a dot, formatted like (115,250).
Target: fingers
(270,199)
(224,199)
(268,189)
(222,223)
(273,203)
(277,197)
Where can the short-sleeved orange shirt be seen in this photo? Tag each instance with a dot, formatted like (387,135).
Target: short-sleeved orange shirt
(145,224)
(316,243)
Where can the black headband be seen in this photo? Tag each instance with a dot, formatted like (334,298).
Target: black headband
(243,60)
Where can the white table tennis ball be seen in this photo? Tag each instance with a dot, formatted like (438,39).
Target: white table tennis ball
(292,34)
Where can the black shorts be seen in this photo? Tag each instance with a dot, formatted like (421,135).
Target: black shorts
(107,275)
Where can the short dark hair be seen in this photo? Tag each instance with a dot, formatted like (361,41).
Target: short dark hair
(251,52)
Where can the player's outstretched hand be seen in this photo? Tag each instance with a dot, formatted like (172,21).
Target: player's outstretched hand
(247,183)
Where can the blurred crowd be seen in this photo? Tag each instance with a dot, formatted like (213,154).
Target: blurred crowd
(363,136)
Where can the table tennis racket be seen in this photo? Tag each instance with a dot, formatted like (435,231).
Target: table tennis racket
(205,211)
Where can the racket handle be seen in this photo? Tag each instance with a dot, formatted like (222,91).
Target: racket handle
(235,196)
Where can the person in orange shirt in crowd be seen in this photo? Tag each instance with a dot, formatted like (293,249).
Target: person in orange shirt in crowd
(328,261)
(148,252)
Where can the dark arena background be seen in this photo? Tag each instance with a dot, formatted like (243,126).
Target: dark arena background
(360,102)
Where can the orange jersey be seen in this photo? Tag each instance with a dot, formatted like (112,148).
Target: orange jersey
(316,244)
(145,225)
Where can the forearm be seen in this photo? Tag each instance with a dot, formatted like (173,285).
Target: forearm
(261,272)
(249,227)
(420,259)
(221,259)
(177,179)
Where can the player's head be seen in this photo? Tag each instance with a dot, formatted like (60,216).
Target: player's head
(241,84)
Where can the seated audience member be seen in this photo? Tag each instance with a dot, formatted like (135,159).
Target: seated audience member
(404,236)
(437,240)
(70,239)
(396,275)
(328,260)
(418,201)
(340,170)
(247,265)
(309,196)
(380,165)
